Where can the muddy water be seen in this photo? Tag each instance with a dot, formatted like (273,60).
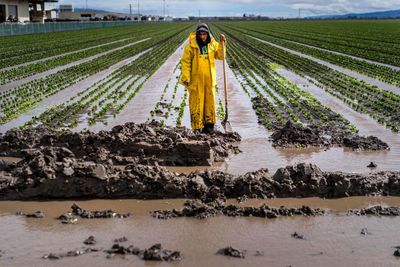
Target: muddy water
(331,240)
(361,77)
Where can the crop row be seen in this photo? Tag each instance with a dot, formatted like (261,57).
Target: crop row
(114,92)
(277,100)
(381,105)
(383,73)
(18,100)
(24,49)
(171,105)
(14,74)
(378,46)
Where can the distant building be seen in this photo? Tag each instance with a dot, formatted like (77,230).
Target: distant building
(25,10)
(67,12)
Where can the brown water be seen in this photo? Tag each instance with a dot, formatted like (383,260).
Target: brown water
(331,240)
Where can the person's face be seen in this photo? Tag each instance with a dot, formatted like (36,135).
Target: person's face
(203,36)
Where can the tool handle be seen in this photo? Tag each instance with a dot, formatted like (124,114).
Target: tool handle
(225,80)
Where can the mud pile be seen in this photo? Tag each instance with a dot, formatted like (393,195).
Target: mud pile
(376,211)
(327,135)
(322,133)
(130,143)
(51,174)
(202,210)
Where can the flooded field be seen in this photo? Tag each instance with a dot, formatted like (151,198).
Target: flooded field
(120,160)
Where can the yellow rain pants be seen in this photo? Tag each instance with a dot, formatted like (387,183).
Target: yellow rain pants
(199,71)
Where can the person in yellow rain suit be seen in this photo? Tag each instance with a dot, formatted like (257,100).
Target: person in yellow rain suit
(199,76)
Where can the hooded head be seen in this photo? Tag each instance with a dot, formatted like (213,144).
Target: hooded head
(203,34)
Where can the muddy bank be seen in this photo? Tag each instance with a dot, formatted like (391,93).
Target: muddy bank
(376,211)
(320,133)
(202,210)
(130,143)
(55,173)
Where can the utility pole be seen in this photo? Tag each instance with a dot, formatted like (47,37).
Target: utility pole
(199,13)
(86,4)
(164,9)
(138,10)
(130,10)
(299,13)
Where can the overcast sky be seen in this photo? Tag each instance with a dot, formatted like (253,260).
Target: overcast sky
(272,8)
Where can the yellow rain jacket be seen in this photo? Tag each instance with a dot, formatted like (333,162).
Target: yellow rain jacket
(199,71)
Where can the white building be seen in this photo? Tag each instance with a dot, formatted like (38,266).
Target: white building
(24,10)
(14,10)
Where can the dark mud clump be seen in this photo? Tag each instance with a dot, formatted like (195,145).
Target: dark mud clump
(72,253)
(122,250)
(232,252)
(397,253)
(154,253)
(88,214)
(71,217)
(192,208)
(201,210)
(372,165)
(90,241)
(324,135)
(120,240)
(157,253)
(130,143)
(296,235)
(376,211)
(36,215)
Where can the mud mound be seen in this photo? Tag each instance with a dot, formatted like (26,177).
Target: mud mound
(202,210)
(232,252)
(327,135)
(376,211)
(295,134)
(48,176)
(129,143)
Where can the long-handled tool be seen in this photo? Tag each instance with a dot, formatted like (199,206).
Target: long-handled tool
(225,123)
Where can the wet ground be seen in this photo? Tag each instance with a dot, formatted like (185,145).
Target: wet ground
(65,95)
(331,240)
(138,110)
(257,151)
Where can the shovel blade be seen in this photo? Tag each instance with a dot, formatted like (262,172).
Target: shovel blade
(227,126)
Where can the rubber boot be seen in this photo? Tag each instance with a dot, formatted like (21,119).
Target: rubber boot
(208,128)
